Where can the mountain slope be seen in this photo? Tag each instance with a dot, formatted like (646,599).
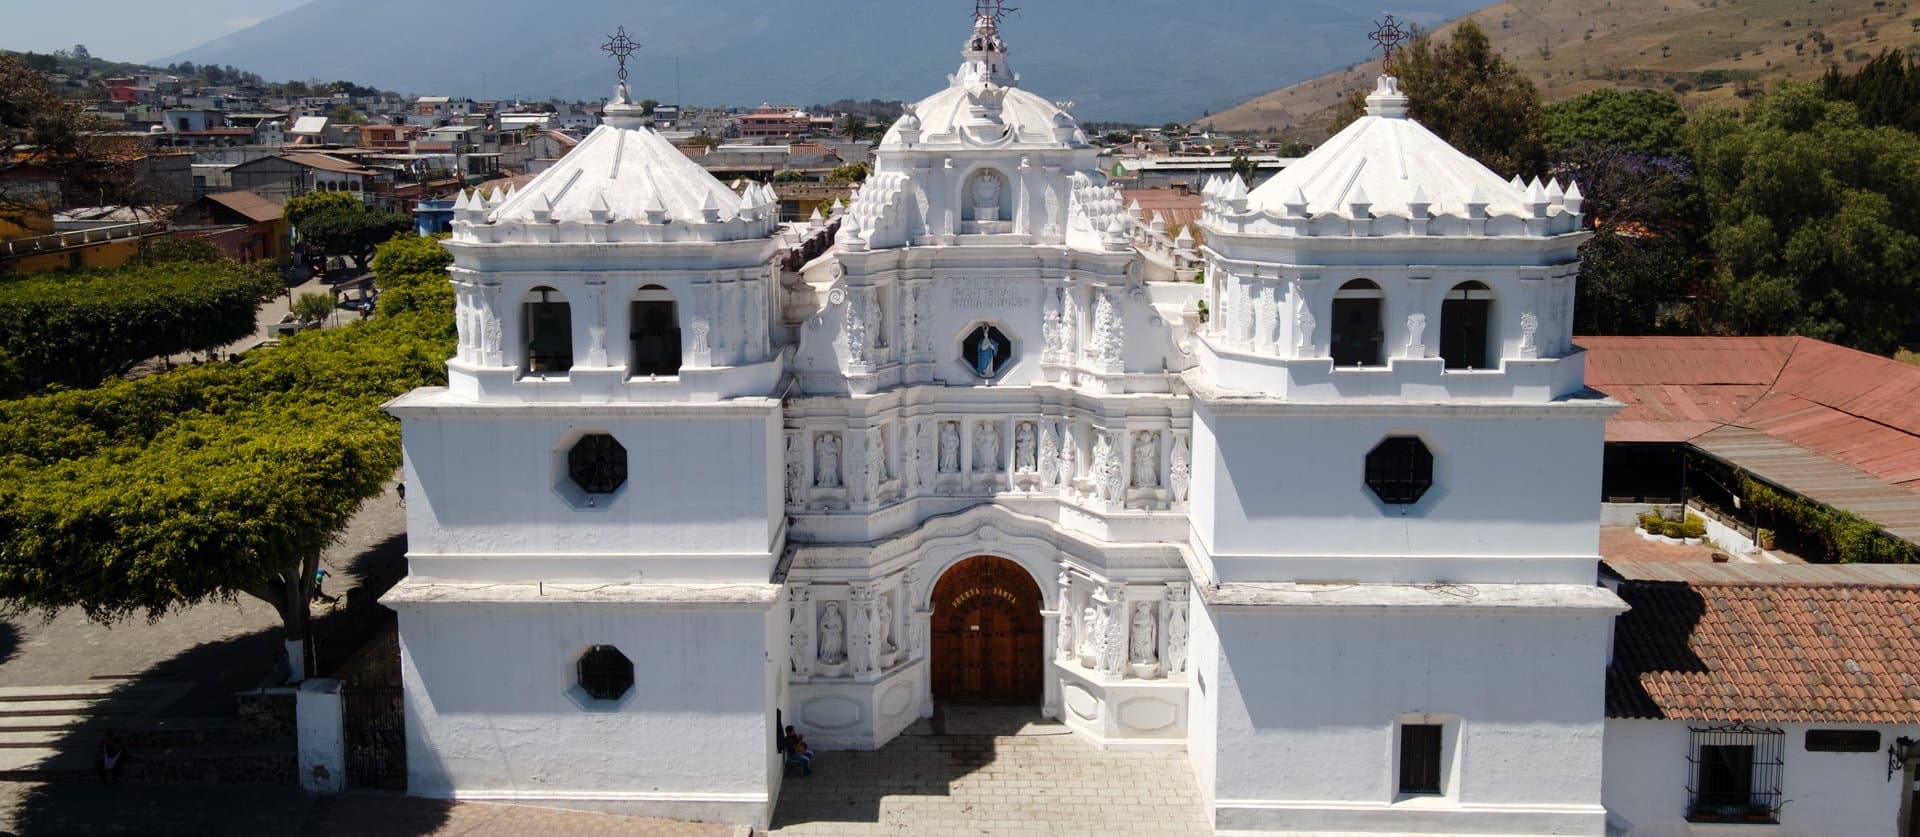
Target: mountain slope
(1118,59)
(1709,50)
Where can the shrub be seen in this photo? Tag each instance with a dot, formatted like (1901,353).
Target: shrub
(1673,529)
(1651,521)
(1693,527)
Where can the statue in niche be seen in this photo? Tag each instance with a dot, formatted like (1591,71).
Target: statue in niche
(1090,634)
(949,447)
(1180,469)
(1063,636)
(1176,639)
(1416,335)
(1141,649)
(986,197)
(796,466)
(1049,456)
(826,460)
(1069,455)
(833,635)
(1069,322)
(1024,456)
(1303,325)
(1146,459)
(986,447)
(883,631)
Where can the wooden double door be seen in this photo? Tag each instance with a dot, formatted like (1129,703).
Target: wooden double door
(987,632)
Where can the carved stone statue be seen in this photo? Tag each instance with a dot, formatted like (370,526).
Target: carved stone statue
(986,197)
(1063,635)
(949,447)
(796,466)
(1529,326)
(833,635)
(1049,456)
(1025,458)
(1416,335)
(1090,633)
(1141,649)
(1179,469)
(826,460)
(1146,459)
(883,623)
(986,447)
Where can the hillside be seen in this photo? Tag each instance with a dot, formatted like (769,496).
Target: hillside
(1127,60)
(1709,51)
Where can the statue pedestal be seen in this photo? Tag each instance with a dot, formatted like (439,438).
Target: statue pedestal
(838,669)
(1146,671)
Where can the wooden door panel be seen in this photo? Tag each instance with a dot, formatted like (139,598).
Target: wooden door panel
(986,632)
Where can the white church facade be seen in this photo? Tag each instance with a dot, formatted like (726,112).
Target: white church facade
(1324,520)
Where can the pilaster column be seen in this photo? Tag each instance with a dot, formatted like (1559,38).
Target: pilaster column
(1110,603)
(860,634)
(1175,632)
(800,620)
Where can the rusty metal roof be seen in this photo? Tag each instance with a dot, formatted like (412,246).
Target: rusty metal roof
(1833,424)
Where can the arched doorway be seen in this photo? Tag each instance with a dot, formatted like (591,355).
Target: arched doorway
(987,631)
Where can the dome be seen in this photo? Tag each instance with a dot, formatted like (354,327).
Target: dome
(1386,164)
(623,171)
(983,105)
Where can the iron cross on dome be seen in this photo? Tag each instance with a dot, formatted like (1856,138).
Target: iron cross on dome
(995,10)
(1388,36)
(620,47)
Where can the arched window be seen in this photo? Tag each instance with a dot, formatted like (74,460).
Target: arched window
(1465,340)
(1357,338)
(548,322)
(655,325)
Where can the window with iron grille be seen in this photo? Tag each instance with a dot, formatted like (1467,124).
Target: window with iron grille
(605,673)
(1400,470)
(598,464)
(1734,773)
(1420,758)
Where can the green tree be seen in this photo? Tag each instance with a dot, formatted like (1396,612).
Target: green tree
(178,249)
(412,275)
(50,143)
(208,482)
(1642,120)
(340,224)
(1244,168)
(75,329)
(1815,228)
(312,307)
(346,115)
(849,173)
(1886,90)
(1462,90)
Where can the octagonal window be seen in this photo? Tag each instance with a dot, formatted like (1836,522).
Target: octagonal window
(987,351)
(605,673)
(598,464)
(1400,470)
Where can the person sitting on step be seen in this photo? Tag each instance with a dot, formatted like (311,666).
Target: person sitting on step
(795,746)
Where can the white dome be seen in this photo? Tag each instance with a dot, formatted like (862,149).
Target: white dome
(1386,164)
(983,106)
(623,172)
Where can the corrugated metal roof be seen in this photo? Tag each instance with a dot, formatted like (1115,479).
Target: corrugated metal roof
(249,204)
(1834,424)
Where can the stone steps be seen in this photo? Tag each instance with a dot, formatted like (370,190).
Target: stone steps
(52,732)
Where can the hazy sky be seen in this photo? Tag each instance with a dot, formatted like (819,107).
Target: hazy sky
(127,30)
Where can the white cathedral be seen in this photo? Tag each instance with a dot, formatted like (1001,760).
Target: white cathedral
(1326,521)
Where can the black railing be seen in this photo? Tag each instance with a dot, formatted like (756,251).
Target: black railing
(1734,773)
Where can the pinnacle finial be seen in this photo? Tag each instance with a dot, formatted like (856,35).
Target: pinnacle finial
(1388,36)
(620,47)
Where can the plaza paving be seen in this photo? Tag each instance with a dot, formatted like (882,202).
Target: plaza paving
(971,773)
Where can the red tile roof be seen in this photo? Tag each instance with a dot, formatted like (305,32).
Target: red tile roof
(1826,644)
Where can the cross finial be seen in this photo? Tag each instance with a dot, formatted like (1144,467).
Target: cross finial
(620,47)
(1388,36)
(993,10)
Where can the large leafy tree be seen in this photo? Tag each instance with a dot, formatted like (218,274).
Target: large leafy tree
(208,482)
(1646,121)
(1816,230)
(340,224)
(1462,90)
(78,328)
(48,144)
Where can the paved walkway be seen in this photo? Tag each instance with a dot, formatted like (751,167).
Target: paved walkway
(1040,781)
(85,808)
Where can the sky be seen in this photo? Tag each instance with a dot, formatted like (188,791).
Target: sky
(127,30)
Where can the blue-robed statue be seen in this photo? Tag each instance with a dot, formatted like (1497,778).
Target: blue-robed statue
(984,356)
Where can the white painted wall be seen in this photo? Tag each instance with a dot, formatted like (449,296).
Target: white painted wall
(492,712)
(1827,794)
(1293,487)
(1203,703)
(321,736)
(1308,703)
(702,497)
